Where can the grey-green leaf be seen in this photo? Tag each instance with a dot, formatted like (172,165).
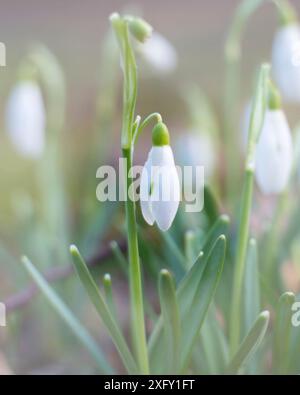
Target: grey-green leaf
(250,343)
(171,320)
(282,333)
(65,313)
(103,310)
(194,296)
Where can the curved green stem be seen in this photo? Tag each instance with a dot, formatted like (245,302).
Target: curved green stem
(129,126)
(137,305)
(155,116)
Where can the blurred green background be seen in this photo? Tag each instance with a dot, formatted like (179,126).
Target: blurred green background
(74,30)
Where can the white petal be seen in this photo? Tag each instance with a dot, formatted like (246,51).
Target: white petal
(25,119)
(165,186)
(286,62)
(274,153)
(145,199)
(160,53)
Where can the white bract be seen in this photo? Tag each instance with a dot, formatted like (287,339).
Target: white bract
(25,119)
(160,188)
(160,53)
(286,61)
(274,153)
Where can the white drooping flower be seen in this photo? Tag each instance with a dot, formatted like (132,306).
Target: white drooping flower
(160,53)
(274,155)
(25,119)
(286,61)
(160,187)
(195,149)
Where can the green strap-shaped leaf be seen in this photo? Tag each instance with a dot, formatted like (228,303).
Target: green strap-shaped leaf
(171,320)
(65,313)
(250,343)
(188,286)
(282,333)
(251,298)
(108,293)
(214,344)
(211,206)
(193,317)
(194,296)
(103,310)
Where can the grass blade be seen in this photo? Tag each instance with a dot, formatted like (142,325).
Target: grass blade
(75,326)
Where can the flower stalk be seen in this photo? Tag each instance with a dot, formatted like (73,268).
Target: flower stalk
(121,30)
(256,123)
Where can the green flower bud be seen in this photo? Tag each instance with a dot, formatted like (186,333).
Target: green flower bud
(139,28)
(160,135)
(274,98)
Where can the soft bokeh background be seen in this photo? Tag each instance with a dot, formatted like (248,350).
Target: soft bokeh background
(74,30)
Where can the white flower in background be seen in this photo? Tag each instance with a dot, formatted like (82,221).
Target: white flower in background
(195,149)
(160,53)
(286,61)
(25,119)
(160,187)
(274,155)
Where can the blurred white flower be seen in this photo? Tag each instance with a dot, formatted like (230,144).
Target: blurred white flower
(195,149)
(160,188)
(25,119)
(160,53)
(286,61)
(274,155)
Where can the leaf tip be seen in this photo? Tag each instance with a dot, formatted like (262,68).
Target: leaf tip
(107,278)
(287,297)
(265,315)
(225,218)
(74,250)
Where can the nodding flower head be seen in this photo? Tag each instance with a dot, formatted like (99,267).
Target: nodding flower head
(25,119)
(286,61)
(274,154)
(160,187)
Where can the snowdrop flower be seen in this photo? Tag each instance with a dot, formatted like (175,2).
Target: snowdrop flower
(195,149)
(160,187)
(25,119)
(160,53)
(286,61)
(274,153)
